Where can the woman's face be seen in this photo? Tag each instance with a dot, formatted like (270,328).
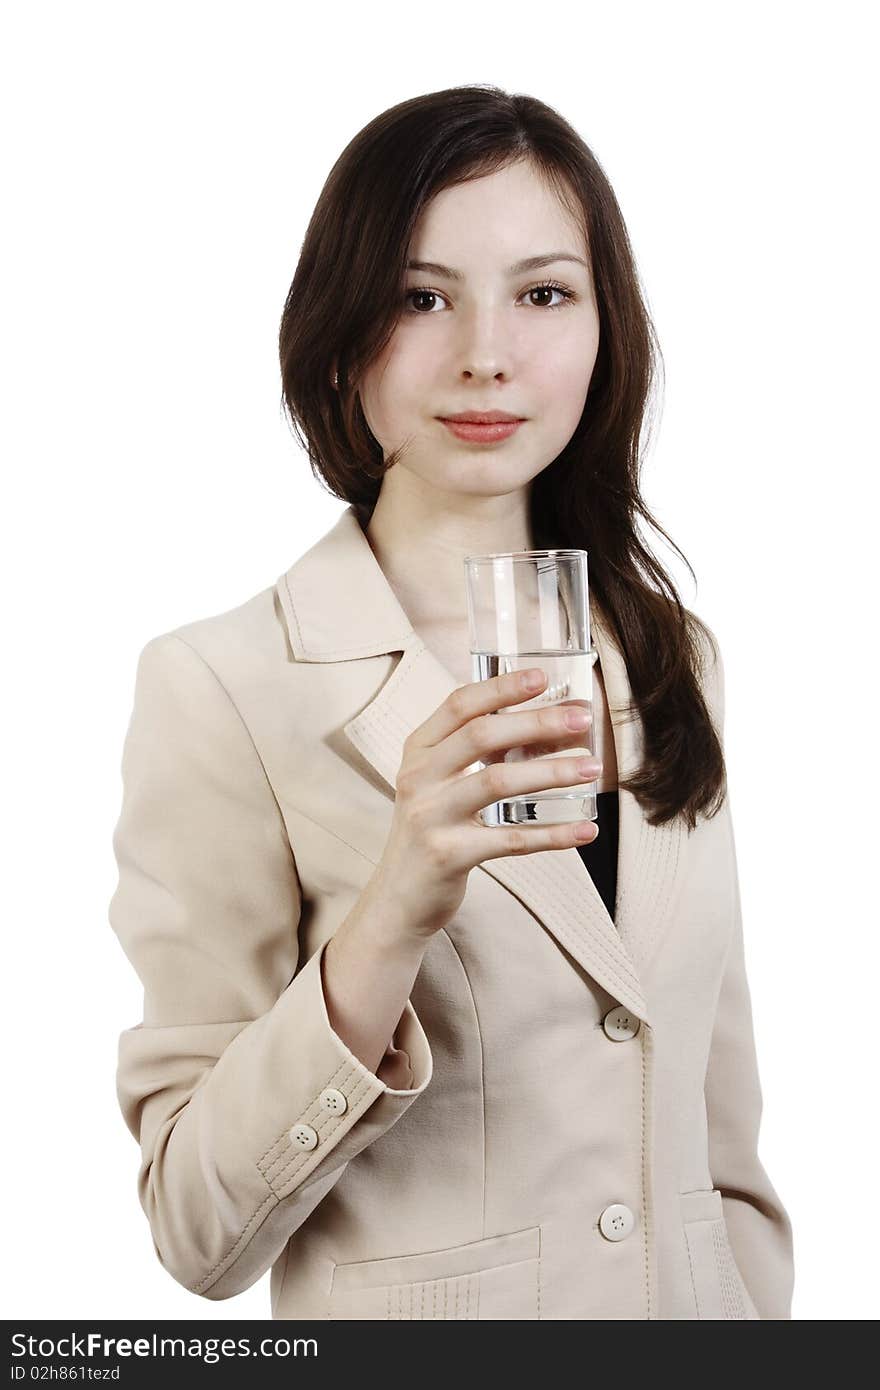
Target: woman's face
(489,340)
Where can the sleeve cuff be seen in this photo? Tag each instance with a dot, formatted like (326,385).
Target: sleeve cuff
(346,1098)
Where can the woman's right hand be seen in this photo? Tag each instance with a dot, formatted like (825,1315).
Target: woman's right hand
(436,835)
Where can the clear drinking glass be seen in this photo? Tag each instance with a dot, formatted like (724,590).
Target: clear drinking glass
(531,608)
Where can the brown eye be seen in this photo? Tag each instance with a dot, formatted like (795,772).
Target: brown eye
(421,295)
(550,287)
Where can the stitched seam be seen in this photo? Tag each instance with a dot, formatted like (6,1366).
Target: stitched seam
(599,945)
(379,712)
(457,954)
(270,1200)
(657,872)
(645,1045)
(381,718)
(668,874)
(293,615)
(304,1156)
(304,1118)
(623,883)
(693,1275)
(286,1131)
(731,1296)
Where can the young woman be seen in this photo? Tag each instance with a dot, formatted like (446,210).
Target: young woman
(417,1066)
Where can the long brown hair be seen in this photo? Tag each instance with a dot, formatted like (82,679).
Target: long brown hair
(342,308)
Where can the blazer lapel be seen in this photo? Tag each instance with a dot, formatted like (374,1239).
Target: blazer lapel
(339,607)
(650,858)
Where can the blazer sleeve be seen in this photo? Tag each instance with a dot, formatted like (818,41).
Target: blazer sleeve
(758,1226)
(247,1106)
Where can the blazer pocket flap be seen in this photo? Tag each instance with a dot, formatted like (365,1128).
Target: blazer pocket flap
(704,1205)
(455,1260)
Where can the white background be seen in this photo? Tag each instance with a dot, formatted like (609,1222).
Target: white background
(161,162)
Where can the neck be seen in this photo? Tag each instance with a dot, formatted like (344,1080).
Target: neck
(420,538)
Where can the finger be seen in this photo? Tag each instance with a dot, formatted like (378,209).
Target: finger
(468,701)
(513,736)
(543,746)
(493,842)
(503,781)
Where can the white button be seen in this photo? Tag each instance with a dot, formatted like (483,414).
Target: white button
(616,1221)
(334,1100)
(303,1136)
(620,1024)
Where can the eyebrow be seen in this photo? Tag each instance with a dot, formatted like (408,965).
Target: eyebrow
(530,263)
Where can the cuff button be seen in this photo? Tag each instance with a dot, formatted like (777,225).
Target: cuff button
(303,1136)
(333,1100)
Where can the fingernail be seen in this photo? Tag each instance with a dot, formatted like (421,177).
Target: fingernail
(577,718)
(589,767)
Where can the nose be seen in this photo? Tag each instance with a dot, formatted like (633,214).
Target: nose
(485,347)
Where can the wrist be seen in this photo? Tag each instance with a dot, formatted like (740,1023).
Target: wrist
(384,923)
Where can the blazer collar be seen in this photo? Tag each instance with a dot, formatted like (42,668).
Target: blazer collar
(339,606)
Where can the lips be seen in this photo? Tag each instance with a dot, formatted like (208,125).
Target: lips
(482,417)
(477,432)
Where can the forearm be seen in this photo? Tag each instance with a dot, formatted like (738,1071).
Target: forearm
(369,967)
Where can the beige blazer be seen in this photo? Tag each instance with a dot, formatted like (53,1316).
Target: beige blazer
(565,1124)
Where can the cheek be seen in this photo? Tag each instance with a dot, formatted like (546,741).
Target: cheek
(562,383)
(412,361)
(563,372)
(398,378)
